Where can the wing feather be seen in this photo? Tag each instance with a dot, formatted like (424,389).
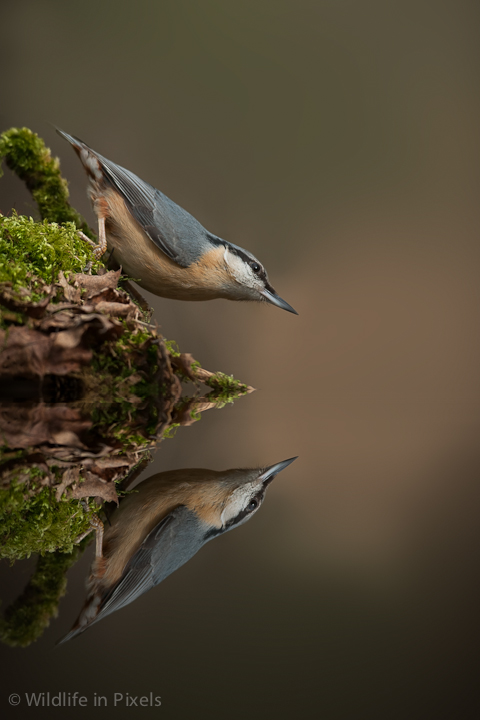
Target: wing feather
(171,228)
(177,233)
(169,545)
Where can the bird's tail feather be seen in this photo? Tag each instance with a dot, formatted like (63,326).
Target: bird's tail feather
(86,618)
(87,156)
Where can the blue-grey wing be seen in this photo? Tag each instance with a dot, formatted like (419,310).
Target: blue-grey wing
(168,546)
(169,226)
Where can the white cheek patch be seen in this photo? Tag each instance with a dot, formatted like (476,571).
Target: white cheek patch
(240,270)
(238,501)
(235,266)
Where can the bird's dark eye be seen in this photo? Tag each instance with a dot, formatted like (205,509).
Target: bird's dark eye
(252,505)
(255,267)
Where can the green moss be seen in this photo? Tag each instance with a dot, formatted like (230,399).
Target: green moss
(7,454)
(172,348)
(25,153)
(123,387)
(170,431)
(33,521)
(30,250)
(118,421)
(226,383)
(122,379)
(26,619)
(225,388)
(10,317)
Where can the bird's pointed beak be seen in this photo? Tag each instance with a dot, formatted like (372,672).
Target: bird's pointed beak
(272,297)
(271,472)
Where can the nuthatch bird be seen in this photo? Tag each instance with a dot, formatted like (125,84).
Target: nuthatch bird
(161,246)
(162,525)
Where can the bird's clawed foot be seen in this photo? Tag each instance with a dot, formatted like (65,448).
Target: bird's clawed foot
(101,248)
(95,524)
(98,249)
(85,238)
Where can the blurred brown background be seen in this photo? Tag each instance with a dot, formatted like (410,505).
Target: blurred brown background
(339,142)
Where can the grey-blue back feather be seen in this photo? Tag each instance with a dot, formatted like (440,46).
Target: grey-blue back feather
(177,233)
(171,543)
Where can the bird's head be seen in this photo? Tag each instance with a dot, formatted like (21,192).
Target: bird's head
(242,494)
(246,277)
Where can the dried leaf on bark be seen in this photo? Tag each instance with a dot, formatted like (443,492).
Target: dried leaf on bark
(94,486)
(14,301)
(96,283)
(69,477)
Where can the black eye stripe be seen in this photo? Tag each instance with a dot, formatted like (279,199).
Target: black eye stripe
(239,252)
(242,515)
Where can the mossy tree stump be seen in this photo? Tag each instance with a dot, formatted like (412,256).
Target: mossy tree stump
(99,386)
